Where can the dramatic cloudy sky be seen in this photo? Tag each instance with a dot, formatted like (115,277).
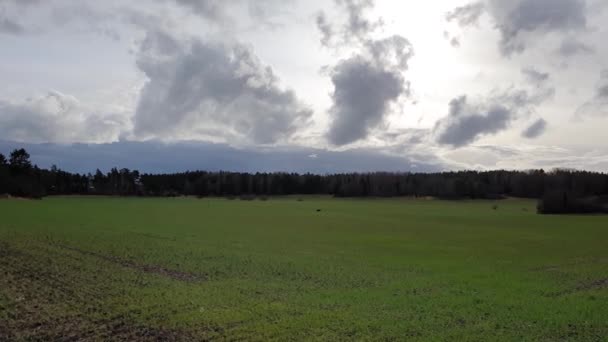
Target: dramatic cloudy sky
(306,85)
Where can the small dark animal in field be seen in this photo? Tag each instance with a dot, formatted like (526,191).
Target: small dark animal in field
(318,210)
(495,207)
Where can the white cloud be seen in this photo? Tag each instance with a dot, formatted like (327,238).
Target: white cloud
(60,118)
(246,72)
(197,88)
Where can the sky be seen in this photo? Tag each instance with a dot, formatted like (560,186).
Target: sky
(306,85)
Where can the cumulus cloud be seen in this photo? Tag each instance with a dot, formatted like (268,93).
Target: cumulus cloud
(199,88)
(363,92)
(535,130)
(194,89)
(517,20)
(367,83)
(56,117)
(467,120)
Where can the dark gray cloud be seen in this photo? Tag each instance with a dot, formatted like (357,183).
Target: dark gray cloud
(391,52)
(467,121)
(453,40)
(534,76)
(517,19)
(407,137)
(371,80)
(535,130)
(466,15)
(196,87)
(602,91)
(327,31)
(530,15)
(25,2)
(11,12)
(602,86)
(363,92)
(598,104)
(358,26)
(365,86)
(112,17)
(9,26)
(571,46)
(209,9)
(158,157)
(222,12)
(56,117)
(42,17)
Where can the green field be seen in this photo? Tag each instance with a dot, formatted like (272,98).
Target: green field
(181,269)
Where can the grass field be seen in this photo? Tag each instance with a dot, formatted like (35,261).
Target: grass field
(180,269)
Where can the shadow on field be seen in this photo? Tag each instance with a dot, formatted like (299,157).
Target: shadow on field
(588,285)
(152,269)
(582,287)
(39,305)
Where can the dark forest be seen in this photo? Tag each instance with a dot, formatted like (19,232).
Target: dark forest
(560,190)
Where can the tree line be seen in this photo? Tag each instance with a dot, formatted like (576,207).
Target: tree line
(19,177)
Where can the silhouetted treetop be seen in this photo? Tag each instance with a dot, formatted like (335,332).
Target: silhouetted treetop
(20,160)
(25,180)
